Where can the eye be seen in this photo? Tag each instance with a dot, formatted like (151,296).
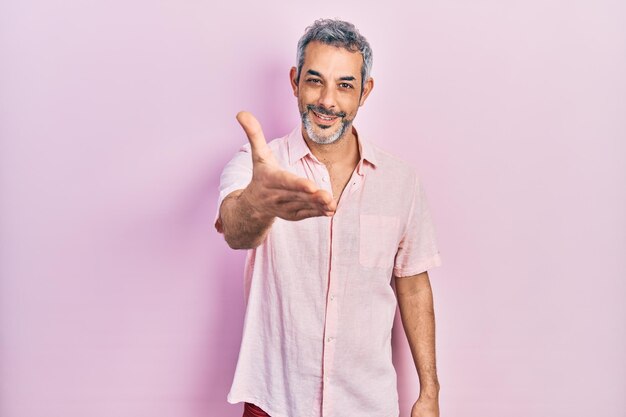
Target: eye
(314,80)
(346,85)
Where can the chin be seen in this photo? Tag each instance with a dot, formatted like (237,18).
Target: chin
(325,135)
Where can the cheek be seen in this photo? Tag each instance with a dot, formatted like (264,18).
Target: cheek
(308,95)
(350,106)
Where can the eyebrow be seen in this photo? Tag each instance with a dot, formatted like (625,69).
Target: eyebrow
(344,78)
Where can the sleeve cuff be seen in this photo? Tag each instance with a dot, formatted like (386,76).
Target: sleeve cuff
(409,271)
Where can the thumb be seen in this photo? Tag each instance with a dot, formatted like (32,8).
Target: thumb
(253,130)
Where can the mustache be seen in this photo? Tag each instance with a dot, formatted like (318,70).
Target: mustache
(325,112)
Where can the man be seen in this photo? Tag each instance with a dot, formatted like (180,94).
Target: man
(329,218)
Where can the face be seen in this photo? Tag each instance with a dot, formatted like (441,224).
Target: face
(329,91)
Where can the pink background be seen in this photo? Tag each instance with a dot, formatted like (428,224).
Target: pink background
(118,298)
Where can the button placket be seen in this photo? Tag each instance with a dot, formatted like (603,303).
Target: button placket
(325,179)
(331,322)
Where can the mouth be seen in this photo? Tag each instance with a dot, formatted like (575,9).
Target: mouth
(324,119)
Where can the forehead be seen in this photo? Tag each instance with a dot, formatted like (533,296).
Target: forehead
(332,61)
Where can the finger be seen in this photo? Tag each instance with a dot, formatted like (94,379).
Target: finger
(305,214)
(285,209)
(253,130)
(284,180)
(324,198)
(290,207)
(288,196)
(294,206)
(320,198)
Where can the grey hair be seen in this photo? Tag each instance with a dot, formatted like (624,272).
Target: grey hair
(337,33)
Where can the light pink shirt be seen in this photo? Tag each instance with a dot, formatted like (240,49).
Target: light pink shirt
(319,302)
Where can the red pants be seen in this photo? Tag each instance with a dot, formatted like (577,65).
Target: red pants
(251,410)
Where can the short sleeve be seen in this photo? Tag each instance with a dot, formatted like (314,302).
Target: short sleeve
(236,175)
(417,251)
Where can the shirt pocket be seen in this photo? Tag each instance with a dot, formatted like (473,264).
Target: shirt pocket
(378,240)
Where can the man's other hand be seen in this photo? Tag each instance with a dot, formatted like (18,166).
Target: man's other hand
(425,407)
(274,192)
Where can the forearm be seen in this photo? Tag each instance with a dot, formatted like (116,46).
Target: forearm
(418,319)
(244,227)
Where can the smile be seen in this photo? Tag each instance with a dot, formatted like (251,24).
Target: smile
(324,117)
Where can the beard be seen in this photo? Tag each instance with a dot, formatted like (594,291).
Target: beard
(344,125)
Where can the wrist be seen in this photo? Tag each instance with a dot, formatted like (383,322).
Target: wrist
(430,391)
(252,209)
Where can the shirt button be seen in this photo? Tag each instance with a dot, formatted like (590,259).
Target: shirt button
(330,339)
(332,298)
(325,179)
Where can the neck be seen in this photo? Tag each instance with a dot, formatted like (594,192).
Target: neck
(344,150)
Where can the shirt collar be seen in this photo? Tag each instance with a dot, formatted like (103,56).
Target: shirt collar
(298,149)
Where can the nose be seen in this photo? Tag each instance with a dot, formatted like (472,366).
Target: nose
(327,97)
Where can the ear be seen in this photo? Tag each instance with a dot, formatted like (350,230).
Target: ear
(292,80)
(367,89)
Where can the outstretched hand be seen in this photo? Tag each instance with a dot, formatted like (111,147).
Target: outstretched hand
(274,192)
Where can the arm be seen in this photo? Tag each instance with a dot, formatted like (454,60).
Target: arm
(247,215)
(418,319)
(242,225)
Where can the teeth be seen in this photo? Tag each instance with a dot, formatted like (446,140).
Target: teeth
(324,117)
